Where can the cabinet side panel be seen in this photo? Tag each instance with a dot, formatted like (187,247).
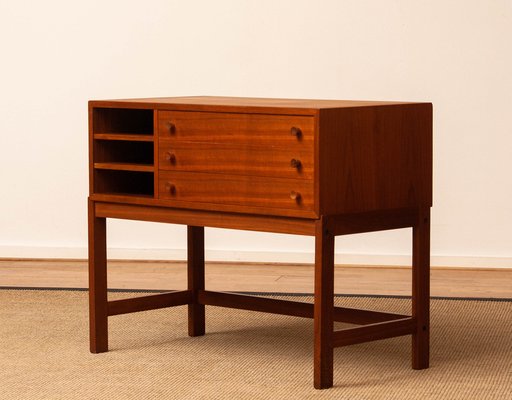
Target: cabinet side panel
(91,144)
(156,150)
(375,158)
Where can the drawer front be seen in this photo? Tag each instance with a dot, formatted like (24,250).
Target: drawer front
(236,190)
(236,159)
(248,129)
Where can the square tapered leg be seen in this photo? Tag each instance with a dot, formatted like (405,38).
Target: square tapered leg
(421,290)
(195,271)
(98,313)
(323,307)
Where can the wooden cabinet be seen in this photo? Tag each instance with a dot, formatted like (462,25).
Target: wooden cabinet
(311,167)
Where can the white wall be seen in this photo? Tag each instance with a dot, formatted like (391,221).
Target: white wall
(56,55)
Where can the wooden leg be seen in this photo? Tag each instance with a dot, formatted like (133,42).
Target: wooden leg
(421,290)
(324,306)
(195,268)
(98,316)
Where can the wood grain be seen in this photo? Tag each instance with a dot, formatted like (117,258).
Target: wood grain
(149,302)
(324,306)
(294,308)
(236,190)
(142,200)
(204,218)
(124,136)
(238,104)
(236,159)
(367,166)
(372,221)
(125,166)
(195,279)
(371,332)
(156,163)
(375,158)
(98,312)
(421,290)
(245,129)
(121,147)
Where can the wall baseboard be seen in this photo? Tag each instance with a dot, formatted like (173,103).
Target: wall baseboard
(32,252)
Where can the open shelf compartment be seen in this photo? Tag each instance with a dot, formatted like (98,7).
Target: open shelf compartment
(118,182)
(122,151)
(123,121)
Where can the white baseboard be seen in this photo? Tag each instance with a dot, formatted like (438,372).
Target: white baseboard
(252,256)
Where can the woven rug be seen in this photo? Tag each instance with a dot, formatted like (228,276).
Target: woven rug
(244,355)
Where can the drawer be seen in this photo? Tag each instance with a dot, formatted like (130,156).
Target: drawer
(236,159)
(236,190)
(248,129)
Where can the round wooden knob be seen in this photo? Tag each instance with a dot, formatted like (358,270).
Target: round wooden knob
(171,127)
(295,163)
(296,132)
(295,196)
(170,157)
(171,188)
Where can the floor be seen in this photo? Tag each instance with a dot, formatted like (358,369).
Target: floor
(255,277)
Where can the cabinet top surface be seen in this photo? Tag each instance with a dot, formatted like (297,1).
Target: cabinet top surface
(302,105)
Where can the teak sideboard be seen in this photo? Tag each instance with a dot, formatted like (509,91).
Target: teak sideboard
(307,167)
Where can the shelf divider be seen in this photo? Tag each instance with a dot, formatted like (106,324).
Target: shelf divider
(117,166)
(147,137)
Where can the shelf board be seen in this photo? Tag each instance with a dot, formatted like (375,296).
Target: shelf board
(147,137)
(125,167)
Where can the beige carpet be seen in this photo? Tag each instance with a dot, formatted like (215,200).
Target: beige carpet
(245,355)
